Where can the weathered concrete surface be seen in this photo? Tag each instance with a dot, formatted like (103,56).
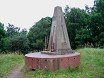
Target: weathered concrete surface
(59,40)
(40,61)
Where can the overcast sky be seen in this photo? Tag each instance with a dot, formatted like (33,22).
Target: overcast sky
(24,13)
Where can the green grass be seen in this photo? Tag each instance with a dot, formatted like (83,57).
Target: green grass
(92,66)
(8,62)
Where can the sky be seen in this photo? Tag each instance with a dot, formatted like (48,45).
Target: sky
(25,13)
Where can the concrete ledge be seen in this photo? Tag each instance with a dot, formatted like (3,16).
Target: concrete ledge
(40,61)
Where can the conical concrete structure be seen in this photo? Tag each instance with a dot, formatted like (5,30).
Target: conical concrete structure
(60,54)
(59,40)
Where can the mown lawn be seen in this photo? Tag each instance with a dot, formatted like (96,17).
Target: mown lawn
(8,62)
(92,66)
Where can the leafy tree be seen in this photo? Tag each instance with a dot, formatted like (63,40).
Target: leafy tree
(96,22)
(19,43)
(83,37)
(99,10)
(15,40)
(12,30)
(39,45)
(75,20)
(2,31)
(38,32)
(2,35)
(5,45)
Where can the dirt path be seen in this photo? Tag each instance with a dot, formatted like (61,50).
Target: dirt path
(16,73)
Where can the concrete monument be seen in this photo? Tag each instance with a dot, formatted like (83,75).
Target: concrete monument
(59,40)
(59,54)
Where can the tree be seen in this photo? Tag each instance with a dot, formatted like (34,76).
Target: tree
(96,22)
(2,31)
(75,20)
(2,35)
(19,43)
(12,30)
(5,45)
(15,40)
(83,37)
(39,45)
(38,32)
(99,11)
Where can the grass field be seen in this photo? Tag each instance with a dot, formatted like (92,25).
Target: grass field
(92,66)
(8,62)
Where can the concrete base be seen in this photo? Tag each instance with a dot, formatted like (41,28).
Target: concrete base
(42,61)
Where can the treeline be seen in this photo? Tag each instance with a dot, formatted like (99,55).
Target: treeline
(13,40)
(85,29)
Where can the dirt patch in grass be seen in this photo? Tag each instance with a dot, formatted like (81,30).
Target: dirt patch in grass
(16,73)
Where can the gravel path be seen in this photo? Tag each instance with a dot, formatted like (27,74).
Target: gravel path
(16,73)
